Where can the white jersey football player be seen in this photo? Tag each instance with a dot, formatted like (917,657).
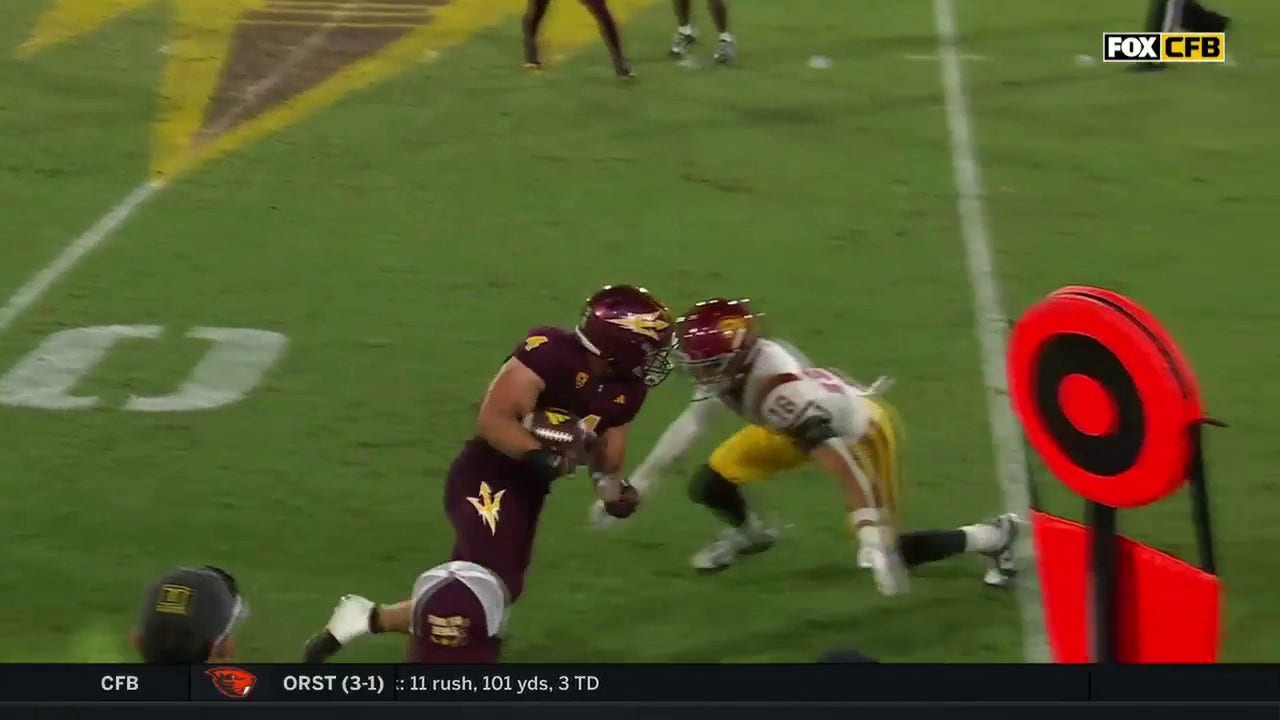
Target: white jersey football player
(796,414)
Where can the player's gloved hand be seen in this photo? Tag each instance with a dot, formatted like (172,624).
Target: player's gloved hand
(878,552)
(889,571)
(351,619)
(598,515)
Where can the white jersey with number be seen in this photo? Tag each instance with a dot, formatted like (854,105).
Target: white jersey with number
(780,407)
(814,391)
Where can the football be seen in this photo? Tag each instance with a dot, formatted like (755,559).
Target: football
(557,429)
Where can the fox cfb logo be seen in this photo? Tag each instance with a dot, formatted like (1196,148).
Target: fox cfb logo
(1164,47)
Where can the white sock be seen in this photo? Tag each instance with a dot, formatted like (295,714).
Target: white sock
(982,538)
(685,29)
(726,36)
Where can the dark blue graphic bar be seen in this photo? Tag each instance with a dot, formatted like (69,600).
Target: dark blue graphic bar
(827,683)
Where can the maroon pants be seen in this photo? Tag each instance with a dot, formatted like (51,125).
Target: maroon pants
(494,506)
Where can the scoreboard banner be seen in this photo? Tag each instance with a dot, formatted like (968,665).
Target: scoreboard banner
(671,684)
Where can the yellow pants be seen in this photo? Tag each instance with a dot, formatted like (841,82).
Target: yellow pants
(755,453)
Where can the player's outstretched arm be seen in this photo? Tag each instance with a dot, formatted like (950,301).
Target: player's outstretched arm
(868,521)
(616,497)
(674,442)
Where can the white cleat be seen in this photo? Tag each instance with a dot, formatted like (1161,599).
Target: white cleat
(1002,565)
(726,51)
(732,544)
(681,43)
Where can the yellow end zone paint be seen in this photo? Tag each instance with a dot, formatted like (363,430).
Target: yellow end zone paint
(200,41)
(69,19)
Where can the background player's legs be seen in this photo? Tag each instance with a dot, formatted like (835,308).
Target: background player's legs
(726,48)
(749,455)
(685,37)
(532,21)
(599,9)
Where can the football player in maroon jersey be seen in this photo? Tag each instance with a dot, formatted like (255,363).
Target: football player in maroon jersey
(599,9)
(601,372)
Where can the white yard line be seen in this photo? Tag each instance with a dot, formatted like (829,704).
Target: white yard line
(106,226)
(36,288)
(990,322)
(934,58)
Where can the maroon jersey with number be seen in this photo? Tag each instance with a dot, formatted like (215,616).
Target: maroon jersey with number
(494,501)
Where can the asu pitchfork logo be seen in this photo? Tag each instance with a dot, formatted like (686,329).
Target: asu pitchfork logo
(488,505)
(1164,47)
(647,324)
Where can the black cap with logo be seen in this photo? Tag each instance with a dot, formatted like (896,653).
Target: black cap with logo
(187,612)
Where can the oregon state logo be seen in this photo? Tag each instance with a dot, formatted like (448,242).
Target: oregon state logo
(232,682)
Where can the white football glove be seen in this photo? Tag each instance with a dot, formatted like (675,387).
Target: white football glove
(886,566)
(350,619)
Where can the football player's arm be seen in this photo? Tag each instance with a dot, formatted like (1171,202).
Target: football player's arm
(607,457)
(511,396)
(675,441)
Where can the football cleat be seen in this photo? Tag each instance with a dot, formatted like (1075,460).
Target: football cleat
(726,50)
(350,620)
(681,43)
(732,544)
(1002,565)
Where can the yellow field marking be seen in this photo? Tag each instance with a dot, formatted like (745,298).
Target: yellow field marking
(337,5)
(329,12)
(201,38)
(317,23)
(201,41)
(69,19)
(569,26)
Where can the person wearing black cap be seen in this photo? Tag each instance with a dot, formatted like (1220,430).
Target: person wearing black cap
(188,617)
(846,655)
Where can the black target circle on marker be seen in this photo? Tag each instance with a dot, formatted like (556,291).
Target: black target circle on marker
(1102,397)
(1089,404)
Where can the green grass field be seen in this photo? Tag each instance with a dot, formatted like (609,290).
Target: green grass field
(405,234)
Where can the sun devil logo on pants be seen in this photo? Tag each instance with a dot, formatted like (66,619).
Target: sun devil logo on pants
(1164,47)
(488,505)
(232,682)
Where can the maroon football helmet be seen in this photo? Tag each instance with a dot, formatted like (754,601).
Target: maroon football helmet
(714,340)
(630,329)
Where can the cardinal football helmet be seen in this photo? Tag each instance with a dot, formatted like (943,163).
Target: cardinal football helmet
(631,329)
(714,340)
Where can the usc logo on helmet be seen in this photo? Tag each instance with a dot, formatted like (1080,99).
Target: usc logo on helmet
(731,324)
